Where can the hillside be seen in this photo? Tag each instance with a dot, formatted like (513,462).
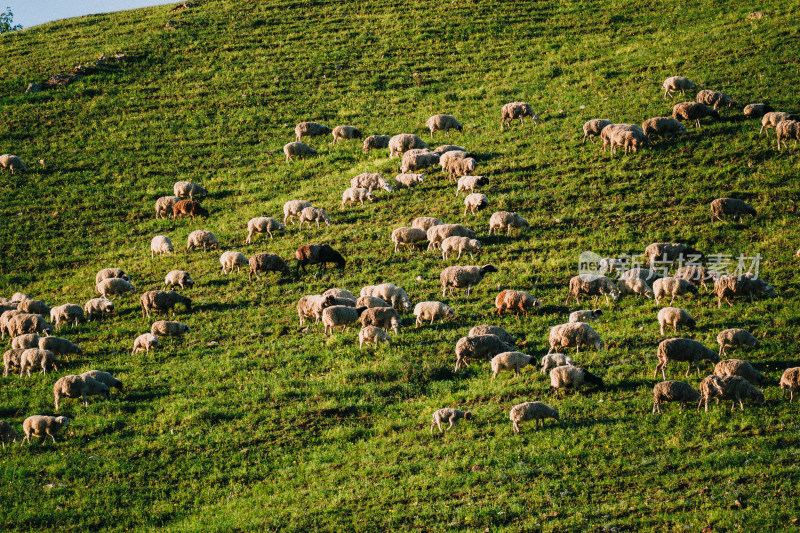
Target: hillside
(249,423)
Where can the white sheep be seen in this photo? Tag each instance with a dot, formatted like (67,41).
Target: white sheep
(591,285)
(310,129)
(409,181)
(98,307)
(416,160)
(675,317)
(345,133)
(432,310)
(263,225)
(73,386)
(314,214)
(36,358)
(448,416)
(693,111)
(164,206)
(787,130)
(43,426)
(536,411)
(439,232)
(370,301)
(371,181)
(297,149)
(292,209)
(59,346)
(184,189)
(574,334)
(67,313)
(510,361)
(24,342)
(12,359)
(463,277)
(105,378)
(516,110)
(471,183)
(403,142)
(178,278)
(737,367)
(460,245)
(682,350)
(26,323)
(505,220)
(107,273)
(160,245)
(771,120)
(231,260)
(168,328)
(634,285)
(375,141)
(340,293)
(443,123)
(454,164)
(13,162)
(673,391)
(553,360)
(572,377)
(201,237)
(672,288)
(732,388)
(390,293)
(585,315)
(662,126)
(497,331)
(340,316)
(519,301)
(312,305)
(735,337)
(592,128)
(756,110)
(425,223)
(715,99)
(790,380)
(408,237)
(479,347)
(372,335)
(145,342)
(356,194)
(675,84)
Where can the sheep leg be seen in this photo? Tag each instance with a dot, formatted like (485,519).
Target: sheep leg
(515,427)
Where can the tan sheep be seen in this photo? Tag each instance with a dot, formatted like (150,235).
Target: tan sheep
(771,120)
(673,391)
(737,367)
(516,301)
(463,277)
(790,380)
(78,387)
(715,99)
(314,214)
(479,347)
(292,209)
(345,133)
(370,301)
(591,285)
(144,343)
(160,245)
(672,288)
(675,84)
(356,194)
(164,206)
(516,110)
(201,237)
(536,411)
(425,223)
(408,237)
(573,335)
(263,225)
(731,388)
(506,220)
(403,142)
(592,128)
(585,315)
(475,202)
(231,260)
(409,181)
(436,234)
(693,111)
(311,306)
(787,130)
(432,310)
(372,335)
(168,328)
(310,129)
(675,317)
(43,426)
(448,416)
(497,331)
(460,245)
(297,149)
(443,123)
(511,362)
(35,358)
(7,433)
(730,206)
(682,350)
(735,337)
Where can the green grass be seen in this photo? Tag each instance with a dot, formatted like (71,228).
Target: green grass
(249,424)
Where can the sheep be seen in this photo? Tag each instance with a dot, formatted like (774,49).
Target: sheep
(385,318)
(403,142)
(771,120)
(443,123)
(574,334)
(66,313)
(425,223)
(790,380)
(409,181)
(345,133)
(516,110)
(178,278)
(43,426)
(292,209)
(461,245)
(735,337)
(108,273)
(408,237)
(164,206)
(374,142)
(695,274)
(675,317)
(59,346)
(311,306)
(471,183)
(73,386)
(634,285)
(715,99)
(592,128)
(34,307)
(438,233)
(585,315)
(757,110)
(11,361)
(415,160)
(19,296)
(314,214)
(591,285)
(732,388)
(103,377)
(231,260)
(160,245)
(201,237)
(371,181)
(372,335)
(728,287)
(673,391)
(35,357)
(356,194)
(310,129)
(457,167)
(675,84)
(475,202)
(263,225)
(370,301)
(497,331)
(340,316)
(610,136)
(340,293)
(312,254)
(737,367)
(506,220)
(662,126)
(693,111)
(511,361)
(25,323)
(144,342)
(553,360)
(5,321)
(297,149)
(188,208)
(682,350)
(167,328)
(640,273)
(182,189)
(628,138)
(479,347)
(519,301)
(787,129)
(450,416)
(669,252)
(163,301)
(463,277)
(432,310)
(7,433)
(13,162)
(572,377)
(390,293)
(23,342)
(536,411)
(443,149)
(266,263)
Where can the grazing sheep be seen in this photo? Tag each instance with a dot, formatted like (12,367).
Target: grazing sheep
(497,331)
(36,358)
(144,342)
(662,126)
(790,380)
(516,110)
(448,416)
(416,160)
(456,167)
(340,316)
(345,133)
(34,307)
(13,162)
(370,301)
(553,360)
(735,337)
(505,220)
(463,277)
(630,139)
(12,360)
(310,129)
(108,273)
(314,214)
(266,263)
(519,301)
(757,110)
(511,361)
(728,287)
(585,315)
(340,293)
(297,149)
(460,245)
(183,189)
(188,208)
(669,252)
(787,129)
(231,260)
(591,285)
(19,296)
(673,391)
(634,285)
(737,367)
(425,223)
(443,123)
(608,134)
(201,237)
(771,120)
(574,334)
(682,350)
(732,388)
(479,347)
(164,206)
(371,181)
(312,254)
(675,84)
(389,293)
(408,181)
(408,237)
(24,323)
(438,233)
(572,377)
(536,411)
(592,128)
(263,225)
(311,306)
(715,99)
(402,143)
(98,307)
(642,274)
(374,142)
(65,314)
(103,377)
(475,202)
(178,278)
(168,328)
(471,183)
(696,274)
(675,317)
(292,209)
(163,301)
(5,321)
(114,286)
(372,335)
(43,426)
(7,433)
(693,111)
(385,318)
(432,310)
(160,245)
(23,342)
(356,194)
(443,149)
(59,346)
(78,387)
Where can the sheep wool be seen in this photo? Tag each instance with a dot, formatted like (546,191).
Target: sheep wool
(553,360)
(167,328)
(98,307)
(372,335)
(573,335)
(7,433)
(510,361)
(787,130)
(425,223)
(448,416)
(771,120)
(790,380)
(201,238)
(443,123)
(297,149)
(23,342)
(163,301)
(516,301)
(585,315)
(479,347)
(497,331)
(432,310)
(43,426)
(231,260)
(24,323)
(572,377)
(516,110)
(263,225)
(463,277)
(668,252)
(728,287)
(735,337)
(506,220)
(314,214)
(695,274)
(730,206)
(356,194)
(675,84)
(78,387)
(416,160)
(266,263)
(536,411)
(164,206)
(662,126)
(673,391)
(732,388)
(370,301)
(184,189)
(408,237)
(756,110)
(675,317)
(178,278)
(460,245)
(475,202)
(682,350)
(144,343)
(591,285)
(345,133)
(160,245)
(34,307)
(592,128)
(340,293)
(715,99)
(35,358)
(318,254)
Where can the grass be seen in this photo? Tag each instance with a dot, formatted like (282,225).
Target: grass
(249,424)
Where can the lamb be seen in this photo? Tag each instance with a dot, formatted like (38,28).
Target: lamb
(735,337)
(36,358)
(757,110)
(108,273)
(505,220)
(443,149)
(592,128)
(471,183)
(432,310)
(461,245)
(408,237)
(409,181)
(675,317)
(356,194)
(297,149)
(164,206)
(263,225)
(425,223)
(103,377)
(13,162)
(266,263)
(372,335)
(310,129)
(715,99)
(370,181)
(7,433)
(340,293)
(682,350)
(675,84)
(64,314)
(188,208)
(345,133)
(311,306)
(673,391)
(314,214)
(790,380)
(572,377)
(693,111)
(34,307)
(787,129)
(389,293)
(201,237)
(163,301)
(695,274)
(591,285)
(536,411)
(497,331)
(634,285)
(144,342)
(771,120)
(438,233)
(662,126)
(574,334)
(312,254)
(24,323)
(511,361)
(182,189)
(585,315)
(385,318)
(43,426)
(402,143)
(370,301)
(231,260)
(519,301)
(553,360)
(479,347)
(178,278)
(340,316)
(12,359)
(450,416)
(737,367)
(374,142)
(457,167)
(292,209)
(23,342)
(732,388)
(463,277)
(475,202)
(669,252)
(160,245)
(728,287)
(416,160)
(443,123)
(516,110)
(78,387)
(59,346)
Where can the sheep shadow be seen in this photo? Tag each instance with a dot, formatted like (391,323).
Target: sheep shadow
(216,307)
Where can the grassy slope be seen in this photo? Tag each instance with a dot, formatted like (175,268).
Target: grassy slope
(247,423)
